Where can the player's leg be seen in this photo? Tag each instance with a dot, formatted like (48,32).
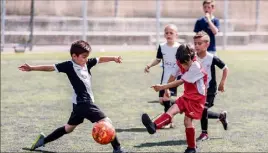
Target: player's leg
(162,120)
(222,117)
(190,135)
(94,114)
(74,120)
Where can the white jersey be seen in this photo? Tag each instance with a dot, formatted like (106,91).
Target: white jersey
(168,56)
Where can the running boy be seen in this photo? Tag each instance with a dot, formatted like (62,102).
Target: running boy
(167,53)
(209,23)
(191,102)
(208,62)
(78,72)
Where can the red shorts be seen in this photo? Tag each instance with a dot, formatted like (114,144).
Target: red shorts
(192,109)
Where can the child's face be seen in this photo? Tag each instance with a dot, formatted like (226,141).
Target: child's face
(187,65)
(170,35)
(80,59)
(200,45)
(208,8)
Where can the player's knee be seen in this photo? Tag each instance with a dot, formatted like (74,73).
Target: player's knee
(69,128)
(107,119)
(161,100)
(188,122)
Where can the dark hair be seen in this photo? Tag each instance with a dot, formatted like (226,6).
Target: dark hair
(203,35)
(185,53)
(80,47)
(212,2)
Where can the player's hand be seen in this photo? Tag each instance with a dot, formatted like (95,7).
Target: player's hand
(221,87)
(207,15)
(25,67)
(146,70)
(118,59)
(157,87)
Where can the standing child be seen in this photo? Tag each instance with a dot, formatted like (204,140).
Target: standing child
(208,62)
(209,23)
(78,72)
(167,53)
(191,102)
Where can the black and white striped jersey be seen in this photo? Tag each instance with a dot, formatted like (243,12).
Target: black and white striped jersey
(208,64)
(168,56)
(80,78)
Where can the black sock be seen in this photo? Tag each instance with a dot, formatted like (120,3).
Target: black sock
(115,143)
(213,115)
(59,132)
(167,105)
(204,121)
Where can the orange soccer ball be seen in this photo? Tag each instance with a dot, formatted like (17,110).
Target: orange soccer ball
(103,132)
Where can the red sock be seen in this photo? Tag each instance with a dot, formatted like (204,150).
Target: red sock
(163,120)
(190,137)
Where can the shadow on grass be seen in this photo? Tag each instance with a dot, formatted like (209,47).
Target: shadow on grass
(43,151)
(153,101)
(163,143)
(131,130)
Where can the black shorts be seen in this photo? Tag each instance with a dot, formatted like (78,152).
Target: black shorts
(210,101)
(85,110)
(173,91)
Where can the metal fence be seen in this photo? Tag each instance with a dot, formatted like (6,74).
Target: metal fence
(35,22)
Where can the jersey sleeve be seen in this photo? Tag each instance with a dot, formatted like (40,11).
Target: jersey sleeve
(63,67)
(197,27)
(193,74)
(176,72)
(217,61)
(159,54)
(92,62)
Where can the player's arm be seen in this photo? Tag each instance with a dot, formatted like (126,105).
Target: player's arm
(153,63)
(156,61)
(167,86)
(116,59)
(46,68)
(213,27)
(217,61)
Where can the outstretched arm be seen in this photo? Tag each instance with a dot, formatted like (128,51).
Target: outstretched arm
(116,59)
(26,67)
(167,86)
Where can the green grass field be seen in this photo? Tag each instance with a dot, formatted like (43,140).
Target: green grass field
(34,102)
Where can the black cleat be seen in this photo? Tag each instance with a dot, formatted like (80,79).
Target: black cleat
(147,122)
(190,150)
(223,119)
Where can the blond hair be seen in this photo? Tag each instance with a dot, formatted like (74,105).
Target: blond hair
(211,2)
(171,26)
(203,35)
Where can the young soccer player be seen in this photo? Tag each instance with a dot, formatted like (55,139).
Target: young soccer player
(166,52)
(209,23)
(78,72)
(191,102)
(208,62)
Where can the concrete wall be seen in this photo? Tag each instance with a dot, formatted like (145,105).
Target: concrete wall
(238,9)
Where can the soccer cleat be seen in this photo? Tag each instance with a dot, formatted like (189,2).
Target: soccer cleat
(223,119)
(38,142)
(150,126)
(190,150)
(119,150)
(203,137)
